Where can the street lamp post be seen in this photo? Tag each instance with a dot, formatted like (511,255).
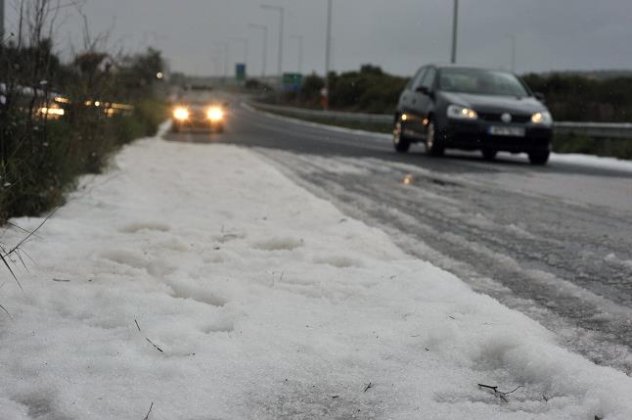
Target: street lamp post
(455,25)
(225,47)
(281,12)
(2,20)
(244,41)
(216,63)
(226,58)
(513,52)
(264,58)
(327,56)
(299,39)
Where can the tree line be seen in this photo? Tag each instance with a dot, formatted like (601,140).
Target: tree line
(57,120)
(569,96)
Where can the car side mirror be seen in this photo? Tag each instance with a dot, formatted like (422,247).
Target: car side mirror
(423,90)
(539,96)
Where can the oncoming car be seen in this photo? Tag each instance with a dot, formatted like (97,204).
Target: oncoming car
(472,109)
(203,116)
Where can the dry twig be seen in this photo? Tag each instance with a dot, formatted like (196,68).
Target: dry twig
(148,340)
(155,346)
(499,394)
(149,412)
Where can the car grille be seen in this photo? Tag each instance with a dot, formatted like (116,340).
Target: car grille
(496,117)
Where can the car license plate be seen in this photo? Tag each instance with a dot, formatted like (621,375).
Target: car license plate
(507,131)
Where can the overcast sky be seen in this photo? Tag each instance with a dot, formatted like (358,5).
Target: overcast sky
(399,35)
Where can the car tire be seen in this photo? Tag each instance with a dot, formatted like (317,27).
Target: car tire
(489,154)
(400,142)
(539,158)
(432,146)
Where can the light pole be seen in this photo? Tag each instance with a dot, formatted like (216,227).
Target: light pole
(512,37)
(299,39)
(225,47)
(281,12)
(455,25)
(327,56)
(226,58)
(264,59)
(215,60)
(244,41)
(1,20)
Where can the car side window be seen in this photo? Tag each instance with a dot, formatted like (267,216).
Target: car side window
(418,78)
(429,78)
(409,85)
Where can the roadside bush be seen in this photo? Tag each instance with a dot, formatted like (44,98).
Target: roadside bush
(618,148)
(149,114)
(577,97)
(367,90)
(41,157)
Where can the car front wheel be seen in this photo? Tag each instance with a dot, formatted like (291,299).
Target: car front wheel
(400,142)
(432,146)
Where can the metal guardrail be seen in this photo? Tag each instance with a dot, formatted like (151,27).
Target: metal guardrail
(595,130)
(55,105)
(588,129)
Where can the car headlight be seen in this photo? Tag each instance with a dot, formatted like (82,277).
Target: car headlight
(52,112)
(459,112)
(215,114)
(181,113)
(542,118)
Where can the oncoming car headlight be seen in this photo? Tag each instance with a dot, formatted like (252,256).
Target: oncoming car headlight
(542,118)
(53,112)
(215,113)
(181,113)
(458,112)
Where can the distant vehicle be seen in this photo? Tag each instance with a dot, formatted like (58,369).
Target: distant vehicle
(199,116)
(472,109)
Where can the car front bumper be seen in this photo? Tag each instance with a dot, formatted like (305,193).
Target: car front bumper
(198,124)
(472,135)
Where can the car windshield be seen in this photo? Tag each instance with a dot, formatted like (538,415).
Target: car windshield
(481,82)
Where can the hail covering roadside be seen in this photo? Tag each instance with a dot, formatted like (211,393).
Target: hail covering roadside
(199,281)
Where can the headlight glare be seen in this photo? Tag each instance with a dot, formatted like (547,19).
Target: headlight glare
(542,118)
(459,112)
(181,113)
(215,113)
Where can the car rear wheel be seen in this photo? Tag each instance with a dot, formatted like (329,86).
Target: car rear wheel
(432,146)
(539,158)
(400,142)
(489,154)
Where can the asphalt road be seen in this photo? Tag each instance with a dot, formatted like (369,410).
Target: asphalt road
(554,242)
